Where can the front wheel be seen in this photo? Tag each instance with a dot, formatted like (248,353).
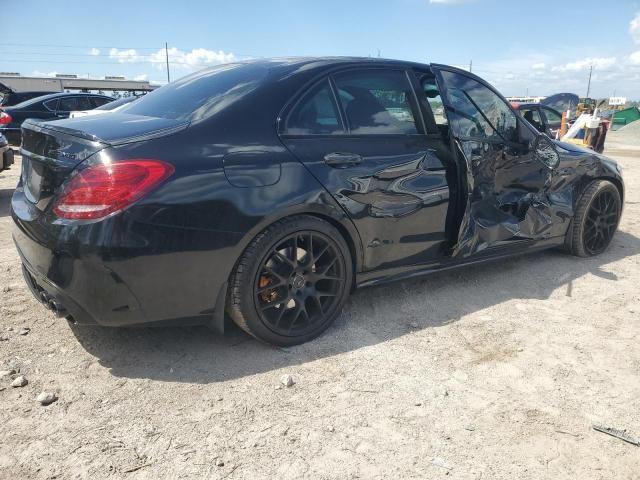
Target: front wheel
(596,219)
(291,282)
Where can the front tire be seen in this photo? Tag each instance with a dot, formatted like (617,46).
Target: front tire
(291,282)
(595,220)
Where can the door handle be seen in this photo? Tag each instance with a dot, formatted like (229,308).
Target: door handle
(342,159)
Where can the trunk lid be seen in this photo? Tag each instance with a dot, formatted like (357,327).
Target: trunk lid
(52,150)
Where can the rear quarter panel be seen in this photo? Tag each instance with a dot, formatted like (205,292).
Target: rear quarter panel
(182,241)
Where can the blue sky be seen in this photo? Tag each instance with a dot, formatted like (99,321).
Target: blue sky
(515,44)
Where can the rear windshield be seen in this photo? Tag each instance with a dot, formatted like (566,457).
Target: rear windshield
(115,104)
(200,95)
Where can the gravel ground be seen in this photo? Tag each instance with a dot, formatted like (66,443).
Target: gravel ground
(628,135)
(492,372)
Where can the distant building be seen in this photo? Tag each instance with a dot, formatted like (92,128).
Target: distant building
(11,81)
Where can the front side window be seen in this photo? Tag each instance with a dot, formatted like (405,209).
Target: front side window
(532,115)
(553,119)
(377,102)
(315,114)
(477,111)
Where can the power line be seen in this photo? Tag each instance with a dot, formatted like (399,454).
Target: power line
(74,46)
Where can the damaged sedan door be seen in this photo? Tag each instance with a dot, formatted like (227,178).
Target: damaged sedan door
(507,204)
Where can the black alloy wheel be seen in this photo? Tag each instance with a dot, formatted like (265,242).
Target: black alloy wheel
(292,281)
(300,279)
(596,219)
(601,222)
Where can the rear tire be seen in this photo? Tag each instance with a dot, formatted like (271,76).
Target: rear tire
(291,282)
(595,220)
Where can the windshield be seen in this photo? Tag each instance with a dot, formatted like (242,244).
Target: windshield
(200,95)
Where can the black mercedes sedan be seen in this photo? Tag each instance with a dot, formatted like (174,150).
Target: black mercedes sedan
(270,189)
(46,107)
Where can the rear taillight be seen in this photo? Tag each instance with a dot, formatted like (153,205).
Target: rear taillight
(100,190)
(5,118)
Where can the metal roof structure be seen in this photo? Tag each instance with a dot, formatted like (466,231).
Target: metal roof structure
(18,83)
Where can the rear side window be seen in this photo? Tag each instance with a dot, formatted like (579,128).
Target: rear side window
(477,111)
(84,103)
(377,102)
(202,94)
(69,104)
(51,104)
(315,114)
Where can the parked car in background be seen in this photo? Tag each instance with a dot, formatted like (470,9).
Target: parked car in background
(11,98)
(107,107)
(544,119)
(272,188)
(47,107)
(6,154)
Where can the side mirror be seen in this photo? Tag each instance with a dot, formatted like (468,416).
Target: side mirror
(545,151)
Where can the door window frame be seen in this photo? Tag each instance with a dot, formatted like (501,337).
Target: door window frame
(414,103)
(427,112)
(438,69)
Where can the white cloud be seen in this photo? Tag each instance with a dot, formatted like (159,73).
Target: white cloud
(634,58)
(141,78)
(539,66)
(585,64)
(124,56)
(634,29)
(94,51)
(187,60)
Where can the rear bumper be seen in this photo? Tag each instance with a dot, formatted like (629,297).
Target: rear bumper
(54,299)
(75,291)
(122,271)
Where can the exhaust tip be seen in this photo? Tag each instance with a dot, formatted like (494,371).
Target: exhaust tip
(57,308)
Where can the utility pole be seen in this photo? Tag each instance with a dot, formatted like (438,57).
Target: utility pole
(166,52)
(470,66)
(589,84)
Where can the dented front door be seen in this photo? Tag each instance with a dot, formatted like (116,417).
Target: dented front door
(507,184)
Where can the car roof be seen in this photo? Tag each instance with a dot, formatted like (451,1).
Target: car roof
(338,60)
(291,64)
(69,94)
(53,96)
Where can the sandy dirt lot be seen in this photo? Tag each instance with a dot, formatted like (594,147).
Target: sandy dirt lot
(492,372)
